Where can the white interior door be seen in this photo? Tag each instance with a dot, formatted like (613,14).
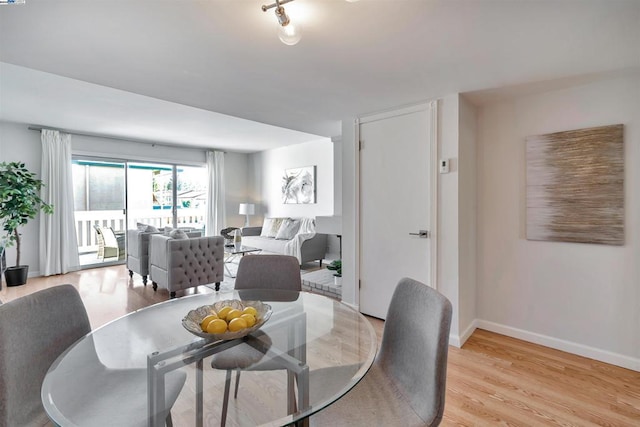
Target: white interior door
(395,195)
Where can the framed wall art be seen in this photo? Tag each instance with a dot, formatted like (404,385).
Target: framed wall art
(575,186)
(299,185)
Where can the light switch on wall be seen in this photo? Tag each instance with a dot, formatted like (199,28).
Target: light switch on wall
(444,165)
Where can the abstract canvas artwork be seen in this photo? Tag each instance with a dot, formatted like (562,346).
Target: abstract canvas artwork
(575,186)
(299,185)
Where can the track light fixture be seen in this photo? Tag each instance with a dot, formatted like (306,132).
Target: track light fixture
(288,33)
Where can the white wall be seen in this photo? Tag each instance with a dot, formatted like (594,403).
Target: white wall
(337,176)
(583,298)
(235,181)
(350,212)
(448,209)
(265,179)
(130,150)
(17,143)
(467,216)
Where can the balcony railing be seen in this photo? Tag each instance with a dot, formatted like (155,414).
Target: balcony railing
(85,220)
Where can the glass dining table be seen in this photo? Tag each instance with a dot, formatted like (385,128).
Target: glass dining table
(321,348)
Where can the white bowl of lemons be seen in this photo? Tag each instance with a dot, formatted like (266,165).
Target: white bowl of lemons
(227,320)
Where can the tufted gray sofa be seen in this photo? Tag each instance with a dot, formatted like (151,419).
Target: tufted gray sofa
(178,264)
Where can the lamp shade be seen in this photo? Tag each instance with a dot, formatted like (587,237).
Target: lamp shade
(247,209)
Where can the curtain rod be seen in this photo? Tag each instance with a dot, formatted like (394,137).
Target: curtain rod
(118,138)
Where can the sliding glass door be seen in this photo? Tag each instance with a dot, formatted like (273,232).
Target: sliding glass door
(150,194)
(99,189)
(113,196)
(166,195)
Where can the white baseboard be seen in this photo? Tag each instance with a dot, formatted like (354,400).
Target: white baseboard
(459,340)
(467,333)
(568,346)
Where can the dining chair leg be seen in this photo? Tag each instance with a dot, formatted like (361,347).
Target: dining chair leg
(199,392)
(291,393)
(225,402)
(235,393)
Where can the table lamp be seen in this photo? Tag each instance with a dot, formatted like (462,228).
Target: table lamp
(247,209)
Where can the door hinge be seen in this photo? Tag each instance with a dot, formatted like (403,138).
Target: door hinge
(359,284)
(360,145)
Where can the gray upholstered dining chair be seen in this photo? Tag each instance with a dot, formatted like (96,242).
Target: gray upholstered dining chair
(34,331)
(264,272)
(406,385)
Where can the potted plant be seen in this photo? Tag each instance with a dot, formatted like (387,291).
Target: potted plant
(337,267)
(19,202)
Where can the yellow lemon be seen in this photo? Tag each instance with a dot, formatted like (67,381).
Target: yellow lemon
(217,326)
(206,321)
(233,314)
(249,318)
(250,310)
(222,313)
(237,324)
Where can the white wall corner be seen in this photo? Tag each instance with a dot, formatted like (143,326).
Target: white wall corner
(468,332)
(459,340)
(563,345)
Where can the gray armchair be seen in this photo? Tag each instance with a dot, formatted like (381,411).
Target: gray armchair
(178,264)
(138,252)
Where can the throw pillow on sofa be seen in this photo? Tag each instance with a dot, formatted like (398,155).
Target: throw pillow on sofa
(288,229)
(270,227)
(146,228)
(178,234)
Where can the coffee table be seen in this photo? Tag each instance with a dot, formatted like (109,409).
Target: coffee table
(234,252)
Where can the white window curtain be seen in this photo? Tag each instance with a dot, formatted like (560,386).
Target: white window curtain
(215,193)
(58,242)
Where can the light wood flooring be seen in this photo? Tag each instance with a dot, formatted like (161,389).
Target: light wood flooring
(491,380)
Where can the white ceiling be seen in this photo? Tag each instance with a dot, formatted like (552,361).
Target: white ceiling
(174,70)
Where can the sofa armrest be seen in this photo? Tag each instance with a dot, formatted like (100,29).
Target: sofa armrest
(158,250)
(251,231)
(314,248)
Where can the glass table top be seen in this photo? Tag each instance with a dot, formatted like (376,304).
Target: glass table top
(241,249)
(327,345)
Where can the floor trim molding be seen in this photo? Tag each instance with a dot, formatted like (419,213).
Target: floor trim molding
(559,344)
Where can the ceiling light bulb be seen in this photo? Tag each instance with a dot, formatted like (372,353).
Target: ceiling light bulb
(289,34)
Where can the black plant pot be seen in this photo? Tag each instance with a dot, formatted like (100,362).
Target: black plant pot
(16,276)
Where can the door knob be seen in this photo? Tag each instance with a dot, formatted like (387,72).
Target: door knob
(421,233)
